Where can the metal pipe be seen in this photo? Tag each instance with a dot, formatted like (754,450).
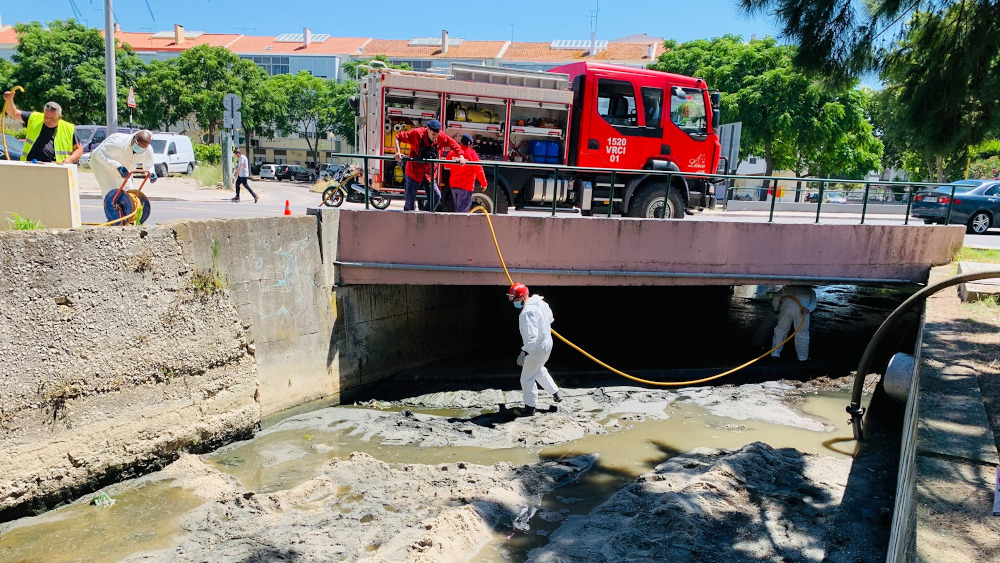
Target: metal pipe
(864,204)
(111,99)
(623,273)
(855,409)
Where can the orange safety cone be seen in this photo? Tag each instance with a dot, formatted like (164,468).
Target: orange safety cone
(288,210)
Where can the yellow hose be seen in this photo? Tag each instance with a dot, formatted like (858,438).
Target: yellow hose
(136,205)
(3,123)
(510,281)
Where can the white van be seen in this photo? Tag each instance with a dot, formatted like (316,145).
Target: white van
(172,153)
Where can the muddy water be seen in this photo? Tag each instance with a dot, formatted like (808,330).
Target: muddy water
(147,517)
(627,454)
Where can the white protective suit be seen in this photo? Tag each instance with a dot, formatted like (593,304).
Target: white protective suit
(790,315)
(535,322)
(116,151)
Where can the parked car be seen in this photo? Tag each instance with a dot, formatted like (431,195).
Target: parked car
(14,145)
(327,170)
(172,153)
(976,205)
(267,171)
(294,172)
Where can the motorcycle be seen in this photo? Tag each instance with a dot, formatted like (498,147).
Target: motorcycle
(345,185)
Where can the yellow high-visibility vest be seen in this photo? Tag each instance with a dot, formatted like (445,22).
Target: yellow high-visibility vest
(63,142)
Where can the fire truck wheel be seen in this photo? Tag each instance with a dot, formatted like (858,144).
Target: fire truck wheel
(649,203)
(484,198)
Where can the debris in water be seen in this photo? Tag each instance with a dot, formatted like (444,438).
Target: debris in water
(103,500)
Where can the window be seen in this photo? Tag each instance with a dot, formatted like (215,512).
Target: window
(652,105)
(98,137)
(616,102)
(992,192)
(271,65)
(687,109)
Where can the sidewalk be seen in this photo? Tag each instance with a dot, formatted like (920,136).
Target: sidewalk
(956,451)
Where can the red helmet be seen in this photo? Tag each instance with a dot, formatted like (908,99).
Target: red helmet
(517,291)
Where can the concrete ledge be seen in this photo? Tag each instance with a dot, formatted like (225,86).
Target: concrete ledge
(974,291)
(48,193)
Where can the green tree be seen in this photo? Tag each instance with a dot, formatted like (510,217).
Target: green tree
(789,120)
(64,62)
(6,75)
(940,59)
(342,118)
(310,109)
(210,73)
(158,95)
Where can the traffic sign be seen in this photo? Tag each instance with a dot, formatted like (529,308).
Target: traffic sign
(131,97)
(232,118)
(232,102)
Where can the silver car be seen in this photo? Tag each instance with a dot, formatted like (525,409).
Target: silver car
(267,171)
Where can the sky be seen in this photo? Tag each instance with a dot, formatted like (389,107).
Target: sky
(391,19)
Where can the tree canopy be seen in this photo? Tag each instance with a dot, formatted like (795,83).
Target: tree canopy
(790,120)
(64,62)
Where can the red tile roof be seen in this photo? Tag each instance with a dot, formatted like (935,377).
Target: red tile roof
(8,35)
(401,49)
(146,41)
(248,45)
(545,52)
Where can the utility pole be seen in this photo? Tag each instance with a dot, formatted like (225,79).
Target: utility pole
(111,103)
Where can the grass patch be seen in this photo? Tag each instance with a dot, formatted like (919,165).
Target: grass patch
(989,255)
(208,174)
(986,309)
(18,223)
(210,281)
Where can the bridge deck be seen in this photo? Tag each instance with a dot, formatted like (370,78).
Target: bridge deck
(376,247)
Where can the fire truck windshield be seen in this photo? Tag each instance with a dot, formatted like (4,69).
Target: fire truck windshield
(687,109)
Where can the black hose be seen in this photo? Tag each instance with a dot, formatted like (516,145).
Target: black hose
(855,409)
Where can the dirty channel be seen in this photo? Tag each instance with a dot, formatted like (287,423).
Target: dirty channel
(431,466)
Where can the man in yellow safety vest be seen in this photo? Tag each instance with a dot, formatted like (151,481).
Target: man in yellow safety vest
(49,138)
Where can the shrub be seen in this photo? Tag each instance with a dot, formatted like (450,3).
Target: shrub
(208,154)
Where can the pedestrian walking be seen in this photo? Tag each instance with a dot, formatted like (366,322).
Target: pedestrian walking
(242,175)
(794,304)
(535,324)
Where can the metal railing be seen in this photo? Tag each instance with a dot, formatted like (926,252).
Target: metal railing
(811,190)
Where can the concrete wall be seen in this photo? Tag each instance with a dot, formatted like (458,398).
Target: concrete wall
(109,361)
(420,248)
(112,362)
(41,192)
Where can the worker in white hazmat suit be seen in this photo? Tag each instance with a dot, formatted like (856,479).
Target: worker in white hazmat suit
(535,323)
(794,304)
(120,154)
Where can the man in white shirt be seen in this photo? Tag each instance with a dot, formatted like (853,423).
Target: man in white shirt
(242,173)
(118,155)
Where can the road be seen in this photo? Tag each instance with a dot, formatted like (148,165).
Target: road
(301,198)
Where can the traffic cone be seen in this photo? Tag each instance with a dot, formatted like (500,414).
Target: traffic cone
(288,210)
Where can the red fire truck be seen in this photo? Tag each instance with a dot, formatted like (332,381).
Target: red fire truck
(581,114)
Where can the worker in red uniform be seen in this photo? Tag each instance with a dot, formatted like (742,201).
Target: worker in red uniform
(425,143)
(462,179)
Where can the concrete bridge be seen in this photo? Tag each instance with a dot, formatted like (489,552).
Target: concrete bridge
(371,247)
(146,341)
